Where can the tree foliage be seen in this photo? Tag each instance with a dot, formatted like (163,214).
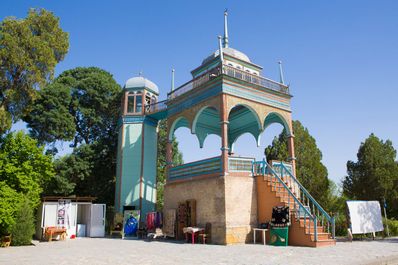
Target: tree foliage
(161,164)
(23,229)
(9,203)
(23,166)
(81,105)
(24,171)
(30,48)
(375,175)
(310,171)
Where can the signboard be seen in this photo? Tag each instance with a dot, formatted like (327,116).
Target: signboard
(64,213)
(365,216)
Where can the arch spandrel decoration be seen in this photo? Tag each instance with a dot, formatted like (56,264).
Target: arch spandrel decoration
(275,117)
(181,121)
(206,122)
(243,119)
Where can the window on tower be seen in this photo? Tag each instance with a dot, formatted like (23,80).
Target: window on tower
(130,104)
(134,103)
(138,103)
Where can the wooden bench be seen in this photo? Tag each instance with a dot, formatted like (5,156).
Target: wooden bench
(55,231)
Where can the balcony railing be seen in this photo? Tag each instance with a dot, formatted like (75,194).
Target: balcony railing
(156,107)
(240,164)
(195,169)
(255,79)
(227,70)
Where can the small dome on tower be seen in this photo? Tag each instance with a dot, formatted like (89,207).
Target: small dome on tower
(141,82)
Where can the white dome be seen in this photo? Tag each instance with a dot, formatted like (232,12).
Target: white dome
(139,81)
(229,51)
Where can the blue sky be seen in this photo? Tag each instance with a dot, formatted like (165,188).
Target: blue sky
(340,58)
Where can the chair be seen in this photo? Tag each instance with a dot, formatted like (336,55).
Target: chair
(206,236)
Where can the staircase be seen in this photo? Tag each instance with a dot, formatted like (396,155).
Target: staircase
(276,186)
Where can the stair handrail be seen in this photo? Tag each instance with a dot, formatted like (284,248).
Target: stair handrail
(328,217)
(299,203)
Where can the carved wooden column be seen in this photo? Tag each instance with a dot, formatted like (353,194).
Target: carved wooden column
(224,133)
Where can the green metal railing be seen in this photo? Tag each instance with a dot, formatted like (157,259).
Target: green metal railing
(304,205)
(306,198)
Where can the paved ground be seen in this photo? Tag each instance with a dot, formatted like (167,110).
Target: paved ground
(117,251)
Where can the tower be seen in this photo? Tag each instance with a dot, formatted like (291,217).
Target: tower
(137,147)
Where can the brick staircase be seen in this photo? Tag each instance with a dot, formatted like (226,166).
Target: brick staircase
(275,189)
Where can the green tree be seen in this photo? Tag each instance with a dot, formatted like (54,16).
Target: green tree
(81,105)
(375,175)
(30,49)
(9,201)
(161,164)
(23,229)
(23,166)
(24,171)
(310,171)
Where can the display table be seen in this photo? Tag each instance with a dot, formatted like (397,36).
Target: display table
(263,234)
(192,231)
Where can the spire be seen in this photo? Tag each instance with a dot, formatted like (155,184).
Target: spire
(282,81)
(225,41)
(172,79)
(220,49)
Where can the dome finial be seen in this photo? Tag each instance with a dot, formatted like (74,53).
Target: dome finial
(225,28)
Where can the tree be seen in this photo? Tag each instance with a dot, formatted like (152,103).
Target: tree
(9,201)
(375,175)
(24,227)
(81,105)
(23,166)
(24,171)
(161,164)
(30,49)
(310,171)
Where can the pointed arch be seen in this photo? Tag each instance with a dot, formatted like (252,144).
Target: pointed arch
(274,117)
(206,122)
(243,119)
(179,122)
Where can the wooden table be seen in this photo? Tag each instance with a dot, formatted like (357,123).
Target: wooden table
(192,231)
(260,230)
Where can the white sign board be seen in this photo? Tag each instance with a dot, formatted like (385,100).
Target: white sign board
(365,216)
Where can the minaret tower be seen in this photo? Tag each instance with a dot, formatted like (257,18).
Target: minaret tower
(137,148)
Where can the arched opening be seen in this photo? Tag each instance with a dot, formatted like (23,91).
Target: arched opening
(242,119)
(274,117)
(206,122)
(179,122)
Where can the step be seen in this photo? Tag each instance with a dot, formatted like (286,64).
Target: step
(325,243)
(321,236)
(319,229)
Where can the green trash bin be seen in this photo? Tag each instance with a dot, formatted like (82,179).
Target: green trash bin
(279,236)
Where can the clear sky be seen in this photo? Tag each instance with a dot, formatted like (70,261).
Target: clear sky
(340,58)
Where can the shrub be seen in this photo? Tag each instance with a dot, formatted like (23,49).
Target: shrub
(392,227)
(9,201)
(24,228)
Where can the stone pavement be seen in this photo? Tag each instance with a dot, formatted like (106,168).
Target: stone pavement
(117,251)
